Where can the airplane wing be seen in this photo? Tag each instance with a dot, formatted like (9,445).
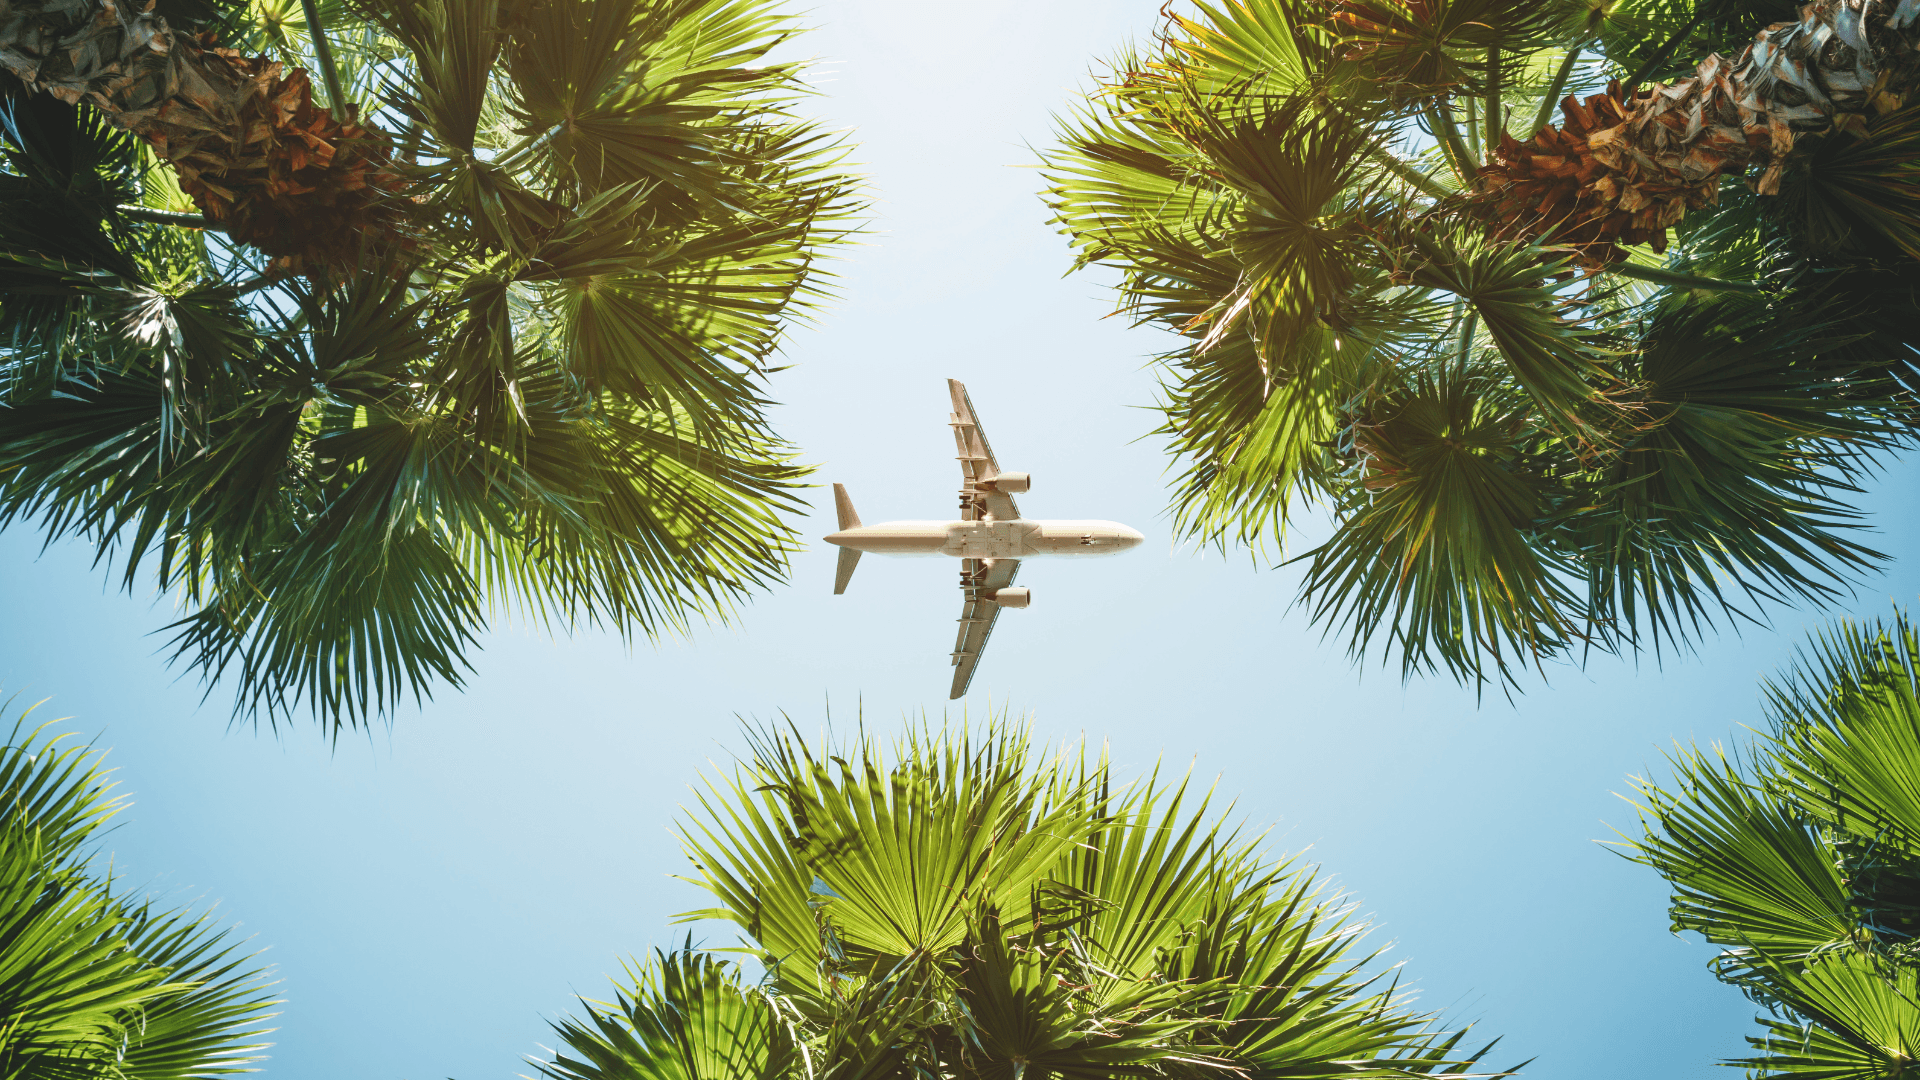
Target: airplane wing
(976,463)
(977,614)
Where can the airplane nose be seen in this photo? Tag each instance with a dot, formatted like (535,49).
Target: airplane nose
(1132,538)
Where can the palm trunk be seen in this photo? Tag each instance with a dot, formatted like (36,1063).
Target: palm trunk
(1628,164)
(250,147)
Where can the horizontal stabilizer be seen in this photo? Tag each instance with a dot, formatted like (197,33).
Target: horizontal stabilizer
(849,558)
(843,505)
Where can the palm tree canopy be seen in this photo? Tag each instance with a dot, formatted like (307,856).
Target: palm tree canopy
(344,416)
(1568,387)
(94,984)
(964,904)
(1802,859)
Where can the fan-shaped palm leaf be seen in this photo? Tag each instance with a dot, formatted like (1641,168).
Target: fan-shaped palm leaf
(966,905)
(683,1017)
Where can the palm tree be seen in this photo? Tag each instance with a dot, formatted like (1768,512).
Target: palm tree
(96,985)
(346,398)
(968,906)
(1566,389)
(1802,858)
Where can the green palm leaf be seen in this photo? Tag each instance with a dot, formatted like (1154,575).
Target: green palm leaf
(963,903)
(1020,1015)
(683,1017)
(94,986)
(1749,868)
(1860,1023)
(1800,861)
(1850,740)
(1749,440)
(1437,549)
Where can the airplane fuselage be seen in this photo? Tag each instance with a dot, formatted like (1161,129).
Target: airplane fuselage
(1020,538)
(991,536)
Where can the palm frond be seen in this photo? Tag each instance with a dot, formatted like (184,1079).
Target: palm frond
(1440,46)
(682,1016)
(1437,549)
(541,388)
(1020,1012)
(1799,858)
(1330,206)
(964,903)
(1750,869)
(1859,1022)
(1750,441)
(1858,192)
(1850,730)
(93,984)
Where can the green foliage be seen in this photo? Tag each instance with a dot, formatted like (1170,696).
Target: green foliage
(1522,463)
(552,401)
(967,905)
(1803,859)
(688,1018)
(1437,46)
(95,985)
(1438,548)
(1858,193)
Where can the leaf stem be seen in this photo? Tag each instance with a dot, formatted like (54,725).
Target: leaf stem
(1472,126)
(241,288)
(1556,89)
(1666,50)
(511,157)
(323,53)
(168,217)
(1496,119)
(1660,275)
(1467,327)
(1441,121)
(1406,171)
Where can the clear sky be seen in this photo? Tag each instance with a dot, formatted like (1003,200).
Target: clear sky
(432,893)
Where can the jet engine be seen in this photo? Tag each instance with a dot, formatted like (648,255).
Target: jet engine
(1013,483)
(1012,597)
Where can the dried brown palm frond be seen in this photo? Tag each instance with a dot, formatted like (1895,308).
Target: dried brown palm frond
(1626,165)
(250,146)
(1594,183)
(299,184)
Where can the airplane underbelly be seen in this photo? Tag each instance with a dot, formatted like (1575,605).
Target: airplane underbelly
(1018,539)
(990,539)
(1036,539)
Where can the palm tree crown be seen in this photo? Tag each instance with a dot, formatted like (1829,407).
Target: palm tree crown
(975,908)
(1565,388)
(491,328)
(1803,859)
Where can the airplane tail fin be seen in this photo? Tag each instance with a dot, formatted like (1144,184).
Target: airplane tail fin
(843,505)
(849,558)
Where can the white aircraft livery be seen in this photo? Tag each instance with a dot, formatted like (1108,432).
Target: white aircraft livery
(991,538)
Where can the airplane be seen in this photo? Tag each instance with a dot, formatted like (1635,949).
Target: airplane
(991,538)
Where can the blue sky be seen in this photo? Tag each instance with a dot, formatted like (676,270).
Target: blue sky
(433,892)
